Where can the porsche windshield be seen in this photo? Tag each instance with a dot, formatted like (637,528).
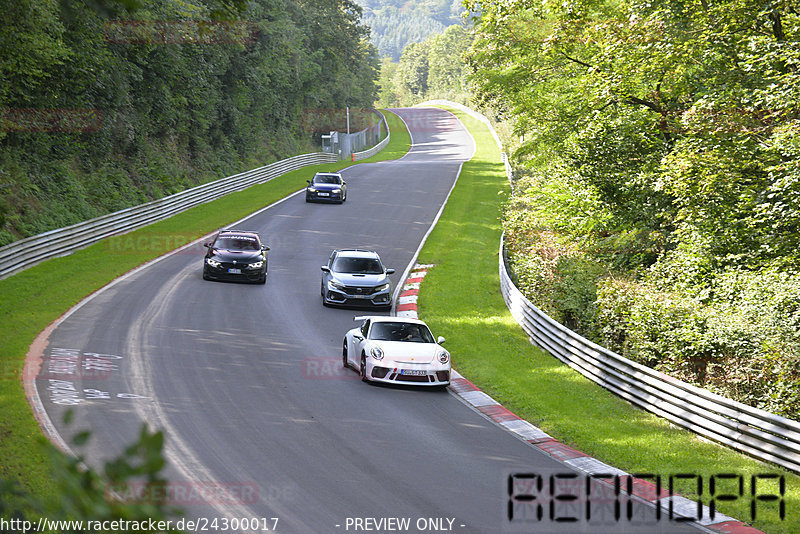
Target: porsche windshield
(237,243)
(357,265)
(413,332)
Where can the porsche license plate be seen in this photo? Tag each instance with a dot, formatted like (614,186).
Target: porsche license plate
(234,271)
(413,372)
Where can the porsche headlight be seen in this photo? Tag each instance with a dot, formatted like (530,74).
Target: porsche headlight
(443,356)
(383,287)
(256,265)
(376,353)
(212,262)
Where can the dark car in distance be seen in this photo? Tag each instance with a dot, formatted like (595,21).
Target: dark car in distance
(326,186)
(236,255)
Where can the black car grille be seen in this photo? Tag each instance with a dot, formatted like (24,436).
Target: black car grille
(360,290)
(230,265)
(411,378)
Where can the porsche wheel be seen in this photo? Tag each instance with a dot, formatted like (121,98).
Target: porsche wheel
(364,368)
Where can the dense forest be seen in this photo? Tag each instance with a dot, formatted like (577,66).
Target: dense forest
(395,24)
(433,68)
(107,104)
(657,202)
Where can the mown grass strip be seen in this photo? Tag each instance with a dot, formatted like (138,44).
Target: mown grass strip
(36,297)
(461,300)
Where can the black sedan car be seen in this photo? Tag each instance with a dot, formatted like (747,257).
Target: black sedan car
(326,186)
(236,255)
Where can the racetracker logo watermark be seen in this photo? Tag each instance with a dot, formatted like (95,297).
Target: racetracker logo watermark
(55,120)
(191,493)
(133,244)
(336,119)
(534,499)
(170,32)
(326,369)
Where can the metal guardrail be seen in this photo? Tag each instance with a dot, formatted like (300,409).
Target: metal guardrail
(757,433)
(29,251)
(364,154)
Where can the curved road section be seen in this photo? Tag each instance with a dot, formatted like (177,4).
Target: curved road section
(262,422)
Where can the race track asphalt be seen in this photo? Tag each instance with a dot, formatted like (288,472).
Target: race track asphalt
(246,380)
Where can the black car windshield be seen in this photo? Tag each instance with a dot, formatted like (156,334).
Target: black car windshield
(412,332)
(326,179)
(243,243)
(357,265)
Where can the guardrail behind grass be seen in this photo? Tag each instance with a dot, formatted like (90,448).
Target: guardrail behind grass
(29,251)
(364,154)
(757,433)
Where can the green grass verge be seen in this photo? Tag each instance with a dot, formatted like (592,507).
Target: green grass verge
(34,298)
(461,300)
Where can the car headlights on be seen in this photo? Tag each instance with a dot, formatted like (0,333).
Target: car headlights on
(383,287)
(337,191)
(212,262)
(443,356)
(376,353)
(312,189)
(336,285)
(256,265)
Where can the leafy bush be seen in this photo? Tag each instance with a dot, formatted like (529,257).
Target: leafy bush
(85,495)
(744,345)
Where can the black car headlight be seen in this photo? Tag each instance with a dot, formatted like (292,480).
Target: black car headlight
(311,189)
(213,263)
(336,191)
(255,265)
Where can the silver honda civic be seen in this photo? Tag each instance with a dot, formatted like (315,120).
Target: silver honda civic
(356,278)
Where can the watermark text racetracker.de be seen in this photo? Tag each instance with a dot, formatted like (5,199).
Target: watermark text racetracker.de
(50,121)
(202,524)
(152,243)
(180,32)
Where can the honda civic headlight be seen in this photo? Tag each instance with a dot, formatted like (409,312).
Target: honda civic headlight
(336,285)
(212,262)
(376,353)
(443,356)
(383,287)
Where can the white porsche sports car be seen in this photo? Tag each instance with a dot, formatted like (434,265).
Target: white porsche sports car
(396,350)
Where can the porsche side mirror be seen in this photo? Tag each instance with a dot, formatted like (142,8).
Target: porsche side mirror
(440,340)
